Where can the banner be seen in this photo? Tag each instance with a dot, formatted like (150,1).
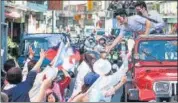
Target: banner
(55,4)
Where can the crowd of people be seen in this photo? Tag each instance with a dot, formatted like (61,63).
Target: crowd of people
(32,84)
(95,80)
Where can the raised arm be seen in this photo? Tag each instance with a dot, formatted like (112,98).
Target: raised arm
(113,90)
(117,76)
(173,30)
(45,85)
(115,42)
(40,61)
(25,69)
(148,26)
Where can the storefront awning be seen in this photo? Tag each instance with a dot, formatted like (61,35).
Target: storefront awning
(12,15)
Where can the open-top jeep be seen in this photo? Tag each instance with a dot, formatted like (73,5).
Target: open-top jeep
(153,70)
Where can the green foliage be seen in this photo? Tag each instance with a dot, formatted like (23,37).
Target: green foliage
(11,44)
(12,49)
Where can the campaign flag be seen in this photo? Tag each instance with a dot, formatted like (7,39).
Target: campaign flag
(61,54)
(51,53)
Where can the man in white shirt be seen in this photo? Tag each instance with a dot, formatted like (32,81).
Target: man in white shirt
(105,82)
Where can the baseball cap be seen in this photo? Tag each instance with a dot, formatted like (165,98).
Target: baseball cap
(90,78)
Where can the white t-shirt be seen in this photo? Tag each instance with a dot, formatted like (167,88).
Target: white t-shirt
(104,83)
(83,69)
(50,73)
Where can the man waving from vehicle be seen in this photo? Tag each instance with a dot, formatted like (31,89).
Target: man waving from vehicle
(134,24)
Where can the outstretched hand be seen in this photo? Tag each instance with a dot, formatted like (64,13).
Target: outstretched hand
(110,92)
(42,54)
(108,49)
(124,79)
(31,52)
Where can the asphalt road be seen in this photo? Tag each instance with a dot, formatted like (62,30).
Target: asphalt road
(118,95)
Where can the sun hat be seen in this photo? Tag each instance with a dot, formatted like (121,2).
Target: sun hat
(102,67)
(90,78)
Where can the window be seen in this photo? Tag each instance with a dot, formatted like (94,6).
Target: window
(158,50)
(38,2)
(36,44)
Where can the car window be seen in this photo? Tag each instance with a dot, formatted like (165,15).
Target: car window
(158,49)
(89,30)
(36,45)
(100,32)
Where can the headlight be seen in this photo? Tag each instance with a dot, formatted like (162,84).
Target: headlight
(162,87)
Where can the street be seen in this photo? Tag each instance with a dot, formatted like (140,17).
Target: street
(123,47)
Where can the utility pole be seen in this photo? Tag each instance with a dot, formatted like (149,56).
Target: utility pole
(1,12)
(3,35)
(53,21)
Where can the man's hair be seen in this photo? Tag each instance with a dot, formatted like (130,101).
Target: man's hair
(9,64)
(31,64)
(14,75)
(141,3)
(121,12)
(3,74)
(55,96)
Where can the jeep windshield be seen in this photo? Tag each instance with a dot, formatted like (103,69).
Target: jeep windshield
(158,50)
(36,44)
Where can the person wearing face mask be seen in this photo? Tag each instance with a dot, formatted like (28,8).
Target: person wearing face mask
(152,15)
(135,24)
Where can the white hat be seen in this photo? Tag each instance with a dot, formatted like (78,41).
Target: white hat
(102,67)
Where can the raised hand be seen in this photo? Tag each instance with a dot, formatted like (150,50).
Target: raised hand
(108,49)
(110,92)
(42,54)
(31,52)
(124,79)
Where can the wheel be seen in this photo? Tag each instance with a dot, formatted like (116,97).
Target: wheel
(125,96)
